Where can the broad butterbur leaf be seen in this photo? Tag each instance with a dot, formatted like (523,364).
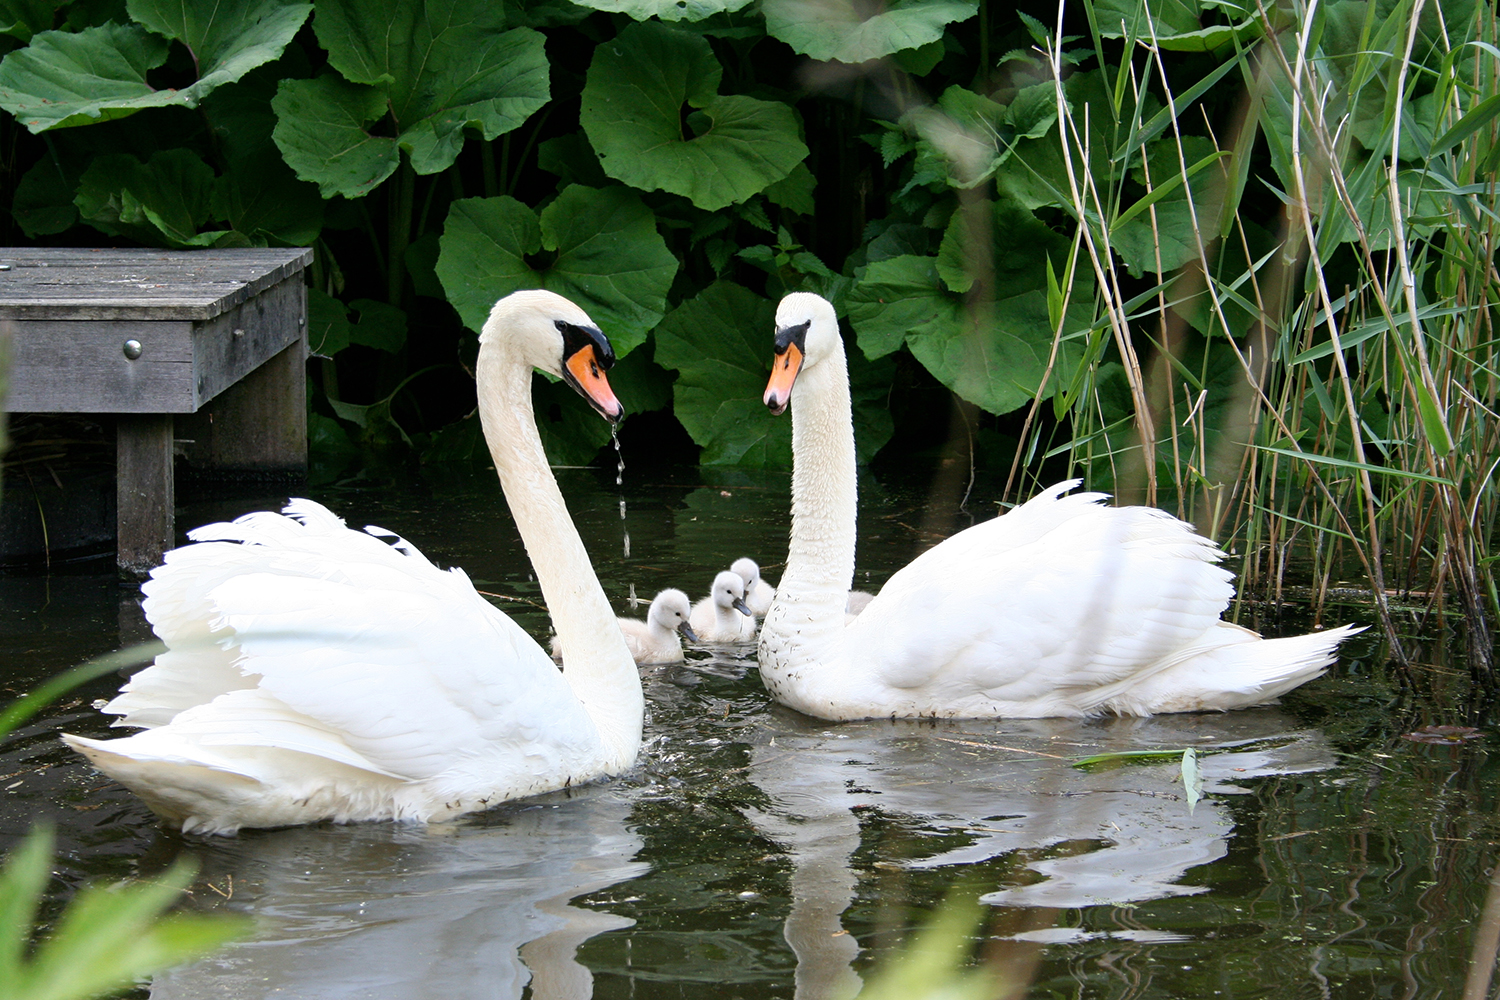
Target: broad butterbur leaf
(320,130)
(667,10)
(720,344)
(851,31)
(975,315)
(66,78)
(163,202)
(598,247)
(632,110)
(441,65)
(226,40)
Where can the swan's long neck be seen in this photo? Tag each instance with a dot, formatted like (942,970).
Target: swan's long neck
(820,560)
(599,668)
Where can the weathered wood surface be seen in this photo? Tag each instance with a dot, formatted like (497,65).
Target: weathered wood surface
(145,494)
(216,337)
(72,284)
(81,366)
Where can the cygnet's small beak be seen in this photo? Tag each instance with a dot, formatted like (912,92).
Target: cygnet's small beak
(688,633)
(743,608)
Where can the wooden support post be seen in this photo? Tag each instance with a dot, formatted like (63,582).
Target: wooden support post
(256,427)
(144,491)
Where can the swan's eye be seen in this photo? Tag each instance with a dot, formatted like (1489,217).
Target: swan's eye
(594,368)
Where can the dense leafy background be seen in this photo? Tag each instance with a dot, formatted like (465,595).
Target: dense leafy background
(675,167)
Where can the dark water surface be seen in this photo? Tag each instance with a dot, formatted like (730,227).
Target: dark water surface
(758,853)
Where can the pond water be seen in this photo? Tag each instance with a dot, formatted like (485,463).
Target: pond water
(755,852)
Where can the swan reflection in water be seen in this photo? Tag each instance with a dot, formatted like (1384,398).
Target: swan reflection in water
(1117,834)
(382,910)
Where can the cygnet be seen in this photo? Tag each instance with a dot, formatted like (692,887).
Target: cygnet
(758,593)
(723,616)
(656,639)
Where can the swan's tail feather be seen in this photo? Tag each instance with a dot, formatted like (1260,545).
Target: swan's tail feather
(1230,668)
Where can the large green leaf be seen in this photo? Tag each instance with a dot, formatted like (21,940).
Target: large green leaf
(719,342)
(65,78)
(667,10)
(226,40)
(442,66)
(320,130)
(163,202)
(632,112)
(23,18)
(605,254)
(993,357)
(852,31)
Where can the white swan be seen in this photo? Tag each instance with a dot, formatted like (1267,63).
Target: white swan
(314,672)
(723,616)
(656,639)
(1061,607)
(758,592)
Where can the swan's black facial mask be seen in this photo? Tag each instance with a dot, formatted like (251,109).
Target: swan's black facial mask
(791,349)
(587,355)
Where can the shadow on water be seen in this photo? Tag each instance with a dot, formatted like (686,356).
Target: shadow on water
(758,853)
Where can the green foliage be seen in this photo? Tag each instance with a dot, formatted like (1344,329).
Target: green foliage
(605,255)
(853,32)
(1203,253)
(108,937)
(631,112)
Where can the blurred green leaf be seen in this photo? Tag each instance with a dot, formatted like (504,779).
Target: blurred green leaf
(599,248)
(853,32)
(380,325)
(21,19)
(667,10)
(441,66)
(106,938)
(638,88)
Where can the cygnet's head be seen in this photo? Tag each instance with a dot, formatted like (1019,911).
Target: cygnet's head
(747,570)
(549,332)
(807,333)
(729,592)
(670,610)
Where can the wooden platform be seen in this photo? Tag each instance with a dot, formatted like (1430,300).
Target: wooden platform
(204,348)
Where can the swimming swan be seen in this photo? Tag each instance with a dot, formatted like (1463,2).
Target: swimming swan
(723,616)
(656,639)
(758,592)
(314,672)
(1060,607)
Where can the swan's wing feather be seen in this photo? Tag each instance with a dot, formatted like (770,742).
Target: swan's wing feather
(1070,596)
(406,663)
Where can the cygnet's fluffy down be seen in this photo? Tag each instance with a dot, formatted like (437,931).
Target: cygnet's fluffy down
(758,593)
(657,639)
(723,616)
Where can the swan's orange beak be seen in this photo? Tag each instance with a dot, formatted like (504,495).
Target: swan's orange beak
(584,371)
(784,368)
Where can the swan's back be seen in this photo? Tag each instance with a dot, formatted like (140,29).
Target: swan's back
(1044,604)
(304,655)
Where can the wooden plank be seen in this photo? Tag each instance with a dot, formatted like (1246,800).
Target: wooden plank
(258,428)
(71,367)
(52,283)
(145,497)
(234,344)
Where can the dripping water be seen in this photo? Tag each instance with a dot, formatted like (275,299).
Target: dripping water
(614,434)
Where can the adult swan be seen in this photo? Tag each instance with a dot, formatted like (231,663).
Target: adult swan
(314,672)
(1061,607)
